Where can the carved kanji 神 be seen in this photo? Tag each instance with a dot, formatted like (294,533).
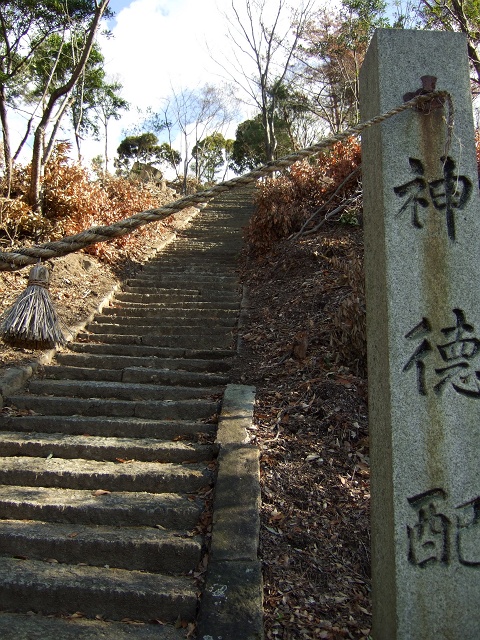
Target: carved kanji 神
(448,194)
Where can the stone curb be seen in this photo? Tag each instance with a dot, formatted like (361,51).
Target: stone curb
(232,602)
(15,378)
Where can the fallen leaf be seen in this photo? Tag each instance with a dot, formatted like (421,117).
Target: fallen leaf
(274,531)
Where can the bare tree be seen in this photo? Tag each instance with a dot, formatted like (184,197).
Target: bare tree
(192,114)
(329,67)
(109,105)
(265,39)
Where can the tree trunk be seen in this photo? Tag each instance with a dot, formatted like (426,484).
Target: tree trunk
(270,144)
(37,156)
(7,152)
(474,59)
(106,148)
(47,149)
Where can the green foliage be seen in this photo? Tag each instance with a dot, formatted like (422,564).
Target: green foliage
(141,147)
(360,19)
(145,148)
(210,155)
(167,155)
(108,103)
(97,164)
(248,151)
(457,15)
(26,24)
(51,67)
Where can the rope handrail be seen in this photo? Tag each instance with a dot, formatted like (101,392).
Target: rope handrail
(19,258)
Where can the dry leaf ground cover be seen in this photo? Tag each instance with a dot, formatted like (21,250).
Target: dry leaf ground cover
(311,427)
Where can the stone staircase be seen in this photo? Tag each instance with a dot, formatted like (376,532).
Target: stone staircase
(107,457)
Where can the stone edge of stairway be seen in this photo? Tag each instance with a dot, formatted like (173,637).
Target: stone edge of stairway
(14,378)
(232,602)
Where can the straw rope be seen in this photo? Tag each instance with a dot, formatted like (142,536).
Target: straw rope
(19,258)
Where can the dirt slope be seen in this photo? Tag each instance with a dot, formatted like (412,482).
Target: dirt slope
(311,425)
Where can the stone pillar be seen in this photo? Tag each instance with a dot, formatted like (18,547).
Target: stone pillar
(422,256)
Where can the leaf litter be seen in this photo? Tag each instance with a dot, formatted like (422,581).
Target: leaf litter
(311,427)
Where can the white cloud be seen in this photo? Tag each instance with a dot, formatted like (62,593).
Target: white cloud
(157,45)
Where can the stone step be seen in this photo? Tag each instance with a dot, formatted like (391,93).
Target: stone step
(139,350)
(209,233)
(148,318)
(109,593)
(189,330)
(109,427)
(147,375)
(211,290)
(172,292)
(218,301)
(201,258)
(175,278)
(142,286)
(107,459)
(194,409)
(214,228)
(172,309)
(121,509)
(160,550)
(214,245)
(137,375)
(123,391)
(147,362)
(192,277)
(182,294)
(83,474)
(146,298)
(91,447)
(160,309)
(216,269)
(18,626)
(148,325)
(199,343)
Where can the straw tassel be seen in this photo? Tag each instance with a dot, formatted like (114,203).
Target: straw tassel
(32,322)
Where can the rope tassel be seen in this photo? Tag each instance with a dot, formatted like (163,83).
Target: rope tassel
(32,322)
